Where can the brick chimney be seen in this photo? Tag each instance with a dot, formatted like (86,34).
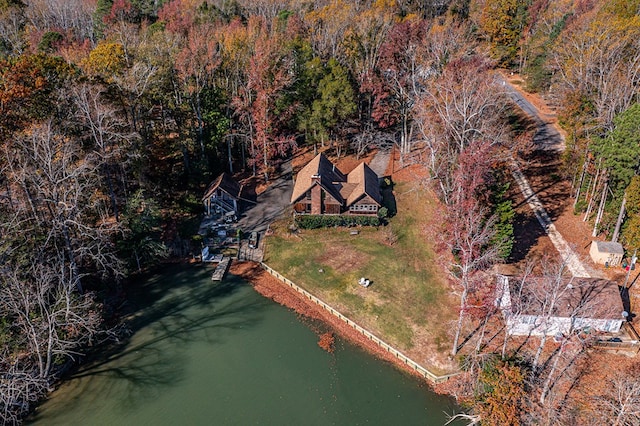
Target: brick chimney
(316,195)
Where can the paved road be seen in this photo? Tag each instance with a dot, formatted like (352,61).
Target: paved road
(270,205)
(549,139)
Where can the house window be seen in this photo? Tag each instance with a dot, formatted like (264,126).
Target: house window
(308,195)
(610,325)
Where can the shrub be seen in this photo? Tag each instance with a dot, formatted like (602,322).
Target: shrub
(326,221)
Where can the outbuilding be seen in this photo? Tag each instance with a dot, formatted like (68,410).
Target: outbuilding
(606,253)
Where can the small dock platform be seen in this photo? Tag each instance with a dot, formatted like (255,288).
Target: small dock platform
(221,269)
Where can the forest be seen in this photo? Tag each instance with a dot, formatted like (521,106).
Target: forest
(116,114)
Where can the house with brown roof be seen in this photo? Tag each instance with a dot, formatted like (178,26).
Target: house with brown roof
(321,188)
(535,307)
(223,196)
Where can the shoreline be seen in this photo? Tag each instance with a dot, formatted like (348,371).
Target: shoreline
(270,287)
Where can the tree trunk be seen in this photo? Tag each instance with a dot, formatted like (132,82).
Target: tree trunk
(72,261)
(112,193)
(591,196)
(603,200)
(504,342)
(536,359)
(580,182)
(456,339)
(484,327)
(621,213)
(229,155)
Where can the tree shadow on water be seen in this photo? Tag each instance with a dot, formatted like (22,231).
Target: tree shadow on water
(170,314)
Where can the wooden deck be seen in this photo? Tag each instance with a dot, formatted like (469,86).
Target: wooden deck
(221,269)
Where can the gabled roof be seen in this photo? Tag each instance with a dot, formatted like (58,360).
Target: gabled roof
(329,176)
(582,297)
(225,182)
(365,182)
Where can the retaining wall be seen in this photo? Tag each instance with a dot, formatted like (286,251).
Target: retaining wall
(402,357)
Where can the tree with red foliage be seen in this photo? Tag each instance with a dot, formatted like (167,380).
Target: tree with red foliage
(179,16)
(469,229)
(121,10)
(195,65)
(269,75)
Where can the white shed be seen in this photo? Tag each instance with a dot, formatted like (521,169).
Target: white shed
(606,252)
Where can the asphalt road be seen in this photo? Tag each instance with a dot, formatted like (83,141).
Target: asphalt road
(270,205)
(547,137)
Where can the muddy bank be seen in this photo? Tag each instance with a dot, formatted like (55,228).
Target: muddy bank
(271,287)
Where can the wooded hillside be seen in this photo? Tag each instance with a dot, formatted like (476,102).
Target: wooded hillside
(116,114)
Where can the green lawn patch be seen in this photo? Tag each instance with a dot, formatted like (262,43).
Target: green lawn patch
(407,291)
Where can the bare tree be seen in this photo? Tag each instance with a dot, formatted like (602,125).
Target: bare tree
(109,134)
(563,307)
(41,303)
(19,389)
(618,400)
(600,56)
(460,108)
(59,194)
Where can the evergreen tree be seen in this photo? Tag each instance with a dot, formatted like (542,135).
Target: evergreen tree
(620,149)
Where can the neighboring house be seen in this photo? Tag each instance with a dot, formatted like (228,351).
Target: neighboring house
(223,196)
(530,308)
(321,188)
(606,252)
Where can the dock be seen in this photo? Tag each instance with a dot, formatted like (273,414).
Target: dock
(221,269)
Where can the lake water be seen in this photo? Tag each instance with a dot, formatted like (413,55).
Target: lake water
(204,353)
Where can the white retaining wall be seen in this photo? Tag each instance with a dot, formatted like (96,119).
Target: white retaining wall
(408,361)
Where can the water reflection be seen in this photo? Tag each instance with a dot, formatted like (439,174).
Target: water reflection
(200,350)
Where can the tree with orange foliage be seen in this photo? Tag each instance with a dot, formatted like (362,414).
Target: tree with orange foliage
(500,400)
(262,102)
(503,22)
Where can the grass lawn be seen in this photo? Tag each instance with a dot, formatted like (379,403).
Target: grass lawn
(408,304)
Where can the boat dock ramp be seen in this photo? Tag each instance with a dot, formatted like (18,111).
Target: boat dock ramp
(221,269)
